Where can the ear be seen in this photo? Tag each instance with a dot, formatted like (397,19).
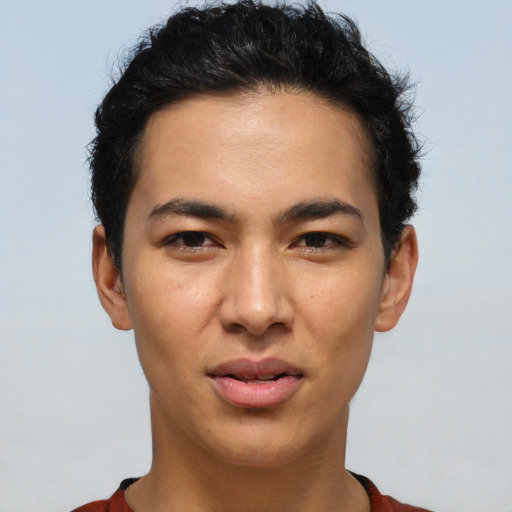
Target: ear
(108,282)
(397,285)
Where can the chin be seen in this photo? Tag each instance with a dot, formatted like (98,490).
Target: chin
(260,447)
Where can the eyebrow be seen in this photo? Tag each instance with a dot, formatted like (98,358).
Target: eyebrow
(189,208)
(305,210)
(309,210)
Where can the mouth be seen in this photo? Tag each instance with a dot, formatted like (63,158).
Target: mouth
(258,378)
(265,383)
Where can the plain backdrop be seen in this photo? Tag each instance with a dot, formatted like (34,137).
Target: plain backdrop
(432,422)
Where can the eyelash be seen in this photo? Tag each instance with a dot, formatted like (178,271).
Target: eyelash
(336,242)
(173,239)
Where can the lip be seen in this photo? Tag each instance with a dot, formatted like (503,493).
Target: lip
(238,382)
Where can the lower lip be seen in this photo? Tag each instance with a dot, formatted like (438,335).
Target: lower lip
(256,393)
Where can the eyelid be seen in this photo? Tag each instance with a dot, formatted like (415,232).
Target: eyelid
(337,241)
(172,239)
(333,241)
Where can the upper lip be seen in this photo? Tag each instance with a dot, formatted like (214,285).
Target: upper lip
(248,369)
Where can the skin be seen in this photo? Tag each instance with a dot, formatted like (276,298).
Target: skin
(259,282)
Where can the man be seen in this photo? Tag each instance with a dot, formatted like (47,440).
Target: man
(253,174)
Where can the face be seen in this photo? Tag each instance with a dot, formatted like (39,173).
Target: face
(253,274)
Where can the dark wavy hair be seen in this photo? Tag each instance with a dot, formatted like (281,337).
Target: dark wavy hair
(241,47)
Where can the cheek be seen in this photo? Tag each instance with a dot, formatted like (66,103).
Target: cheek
(341,306)
(171,302)
(170,312)
(340,318)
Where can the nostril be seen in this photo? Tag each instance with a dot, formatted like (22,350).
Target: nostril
(235,328)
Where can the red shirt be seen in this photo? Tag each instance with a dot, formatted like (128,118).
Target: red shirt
(378,502)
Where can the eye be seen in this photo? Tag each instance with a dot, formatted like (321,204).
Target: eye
(186,240)
(317,241)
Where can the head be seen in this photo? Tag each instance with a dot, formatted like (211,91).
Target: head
(253,172)
(251,47)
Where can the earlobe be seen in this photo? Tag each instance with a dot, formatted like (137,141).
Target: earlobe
(398,281)
(108,282)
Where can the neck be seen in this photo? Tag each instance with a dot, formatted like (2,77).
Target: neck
(185,476)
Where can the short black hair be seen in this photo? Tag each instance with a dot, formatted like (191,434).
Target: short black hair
(242,47)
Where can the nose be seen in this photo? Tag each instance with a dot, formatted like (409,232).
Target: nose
(256,295)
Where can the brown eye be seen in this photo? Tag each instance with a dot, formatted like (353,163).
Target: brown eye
(319,242)
(316,239)
(193,239)
(189,240)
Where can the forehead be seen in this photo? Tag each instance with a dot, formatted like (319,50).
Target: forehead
(258,146)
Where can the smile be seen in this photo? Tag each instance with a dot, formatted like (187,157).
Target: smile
(266,383)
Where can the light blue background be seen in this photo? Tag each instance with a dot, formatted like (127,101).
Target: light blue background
(432,421)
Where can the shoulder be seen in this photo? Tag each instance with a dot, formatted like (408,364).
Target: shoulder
(382,503)
(116,503)
(94,506)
